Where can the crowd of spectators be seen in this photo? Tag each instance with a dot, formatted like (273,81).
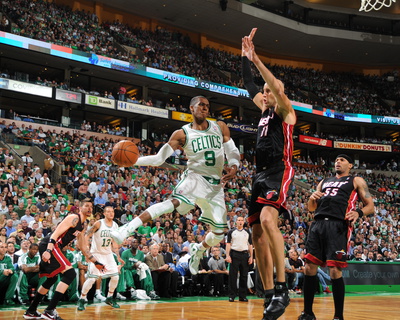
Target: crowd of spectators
(31,205)
(175,52)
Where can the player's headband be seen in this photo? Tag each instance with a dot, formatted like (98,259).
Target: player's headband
(349,159)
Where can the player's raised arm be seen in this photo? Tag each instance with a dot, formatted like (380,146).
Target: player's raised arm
(177,139)
(284,107)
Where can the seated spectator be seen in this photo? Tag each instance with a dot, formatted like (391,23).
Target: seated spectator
(135,270)
(160,271)
(219,274)
(9,277)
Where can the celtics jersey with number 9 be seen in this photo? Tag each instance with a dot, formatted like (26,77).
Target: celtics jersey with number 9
(101,240)
(204,150)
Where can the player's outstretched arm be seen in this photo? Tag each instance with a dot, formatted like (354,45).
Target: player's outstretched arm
(165,152)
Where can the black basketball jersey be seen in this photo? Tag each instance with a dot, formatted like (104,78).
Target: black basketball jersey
(339,197)
(274,141)
(68,235)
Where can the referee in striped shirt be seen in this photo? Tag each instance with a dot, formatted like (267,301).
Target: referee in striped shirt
(239,253)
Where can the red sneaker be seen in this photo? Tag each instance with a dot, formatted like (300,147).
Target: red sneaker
(327,290)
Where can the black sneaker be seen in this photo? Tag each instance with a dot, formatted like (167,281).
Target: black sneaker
(305,316)
(277,306)
(51,315)
(32,315)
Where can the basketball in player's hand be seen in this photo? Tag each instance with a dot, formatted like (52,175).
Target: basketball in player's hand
(125,153)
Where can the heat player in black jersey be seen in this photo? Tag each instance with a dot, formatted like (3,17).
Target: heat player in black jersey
(334,204)
(54,262)
(273,179)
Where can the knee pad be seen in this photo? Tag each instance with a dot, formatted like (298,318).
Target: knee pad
(159,209)
(68,276)
(49,282)
(213,239)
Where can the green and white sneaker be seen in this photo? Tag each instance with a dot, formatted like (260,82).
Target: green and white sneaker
(120,234)
(81,304)
(195,256)
(153,295)
(111,302)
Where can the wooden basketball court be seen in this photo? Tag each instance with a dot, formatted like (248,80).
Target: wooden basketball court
(357,307)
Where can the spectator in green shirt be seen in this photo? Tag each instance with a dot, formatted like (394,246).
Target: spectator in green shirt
(8,277)
(144,230)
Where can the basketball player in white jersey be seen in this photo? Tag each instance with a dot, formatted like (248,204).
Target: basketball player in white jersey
(205,143)
(102,250)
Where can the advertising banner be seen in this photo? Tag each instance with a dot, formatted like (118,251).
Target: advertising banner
(141,109)
(246,128)
(100,102)
(26,87)
(362,146)
(316,141)
(187,117)
(372,273)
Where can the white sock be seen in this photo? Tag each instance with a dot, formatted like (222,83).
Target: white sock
(134,224)
(110,294)
(98,291)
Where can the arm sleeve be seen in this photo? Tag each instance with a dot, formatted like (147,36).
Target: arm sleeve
(232,153)
(248,78)
(158,159)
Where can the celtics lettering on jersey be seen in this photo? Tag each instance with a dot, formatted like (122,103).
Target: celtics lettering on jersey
(207,144)
(204,150)
(101,241)
(106,237)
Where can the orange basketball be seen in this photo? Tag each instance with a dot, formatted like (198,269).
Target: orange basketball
(125,153)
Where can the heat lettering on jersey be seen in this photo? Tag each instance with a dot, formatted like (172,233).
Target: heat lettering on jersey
(206,142)
(333,184)
(264,123)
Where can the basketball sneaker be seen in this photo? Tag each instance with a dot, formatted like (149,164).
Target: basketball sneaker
(327,290)
(111,302)
(277,306)
(195,256)
(120,296)
(32,315)
(133,294)
(99,297)
(305,316)
(120,234)
(81,304)
(153,295)
(50,315)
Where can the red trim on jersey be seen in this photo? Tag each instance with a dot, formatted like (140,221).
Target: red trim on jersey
(334,263)
(288,143)
(61,259)
(254,217)
(314,260)
(349,233)
(351,203)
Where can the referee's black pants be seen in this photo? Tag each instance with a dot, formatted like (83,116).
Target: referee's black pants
(239,264)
